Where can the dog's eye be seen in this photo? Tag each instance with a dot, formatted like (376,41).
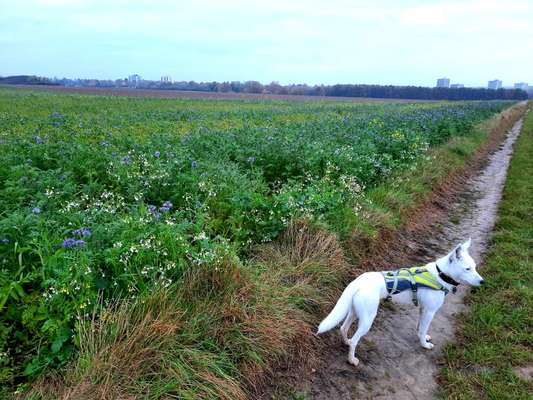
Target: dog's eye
(468,269)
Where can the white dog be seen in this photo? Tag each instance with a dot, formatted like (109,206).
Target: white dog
(426,285)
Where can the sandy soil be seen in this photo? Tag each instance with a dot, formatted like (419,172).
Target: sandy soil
(393,364)
(184,94)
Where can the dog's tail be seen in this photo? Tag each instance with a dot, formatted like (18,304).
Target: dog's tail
(340,311)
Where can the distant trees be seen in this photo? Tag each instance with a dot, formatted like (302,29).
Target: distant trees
(424,93)
(340,90)
(26,80)
(372,91)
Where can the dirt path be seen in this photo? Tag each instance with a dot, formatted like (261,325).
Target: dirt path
(393,365)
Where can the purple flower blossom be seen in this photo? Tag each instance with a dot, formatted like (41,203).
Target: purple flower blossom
(38,139)
(167,205)
(104,144)
(194,164)
(153,210)
(83,232)
(251,160)
(57,115)
(126,160)
(157,154)
(36,210)
(71,242)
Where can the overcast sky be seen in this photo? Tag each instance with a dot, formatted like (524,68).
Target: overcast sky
(290,41)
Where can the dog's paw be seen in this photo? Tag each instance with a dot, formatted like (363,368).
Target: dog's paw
(428,338)
(428,346)
(353,360)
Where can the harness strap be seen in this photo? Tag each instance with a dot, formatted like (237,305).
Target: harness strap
(395,284)
(414,288)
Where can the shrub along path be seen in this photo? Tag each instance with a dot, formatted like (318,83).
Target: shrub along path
(392,362)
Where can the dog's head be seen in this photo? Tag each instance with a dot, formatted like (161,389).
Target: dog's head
(462,267)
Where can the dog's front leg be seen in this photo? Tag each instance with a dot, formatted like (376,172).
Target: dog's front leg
(426,316)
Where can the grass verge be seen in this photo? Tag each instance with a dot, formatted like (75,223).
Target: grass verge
(220,332)
(494,354)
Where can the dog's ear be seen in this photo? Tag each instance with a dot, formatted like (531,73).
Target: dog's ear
(456,254)
(458,250)
(467,244)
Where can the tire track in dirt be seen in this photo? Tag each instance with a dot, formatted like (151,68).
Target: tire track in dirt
(393,364)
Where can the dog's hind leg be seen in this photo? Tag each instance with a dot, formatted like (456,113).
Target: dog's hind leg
(366,307)
(346,326)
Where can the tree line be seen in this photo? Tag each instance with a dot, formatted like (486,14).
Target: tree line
(340,90)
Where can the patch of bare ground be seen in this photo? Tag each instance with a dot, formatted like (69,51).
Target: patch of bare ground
(393,365)
(526,373)
(187,94)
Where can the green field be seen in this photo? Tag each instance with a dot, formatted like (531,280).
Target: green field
(136,234)
(494,353)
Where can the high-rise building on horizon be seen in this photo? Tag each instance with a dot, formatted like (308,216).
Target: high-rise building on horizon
(457,86)
(134,80)
(521,85)
(443,83)
(495,84)
(166,79)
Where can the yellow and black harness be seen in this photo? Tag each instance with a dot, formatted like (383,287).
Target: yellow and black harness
(412,278)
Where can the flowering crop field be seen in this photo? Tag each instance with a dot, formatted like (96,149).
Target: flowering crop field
(105,197)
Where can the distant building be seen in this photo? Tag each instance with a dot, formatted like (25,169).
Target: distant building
(166,79)
(443,82)
(457,86)
(134,80)
(495,84)
(521,85)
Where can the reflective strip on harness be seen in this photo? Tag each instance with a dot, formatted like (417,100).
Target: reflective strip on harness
(411,278)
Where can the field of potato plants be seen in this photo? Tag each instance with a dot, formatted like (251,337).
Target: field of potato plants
(105,199)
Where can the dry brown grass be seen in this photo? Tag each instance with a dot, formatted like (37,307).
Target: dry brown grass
(126,342)
(300,274)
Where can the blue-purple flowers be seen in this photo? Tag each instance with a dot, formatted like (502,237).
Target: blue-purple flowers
(69,243)
(126,160)
(72,242)
(157,154)
(57,115)
(83,232)
(153,210)
(167,205)
(156,212)
(36,210)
